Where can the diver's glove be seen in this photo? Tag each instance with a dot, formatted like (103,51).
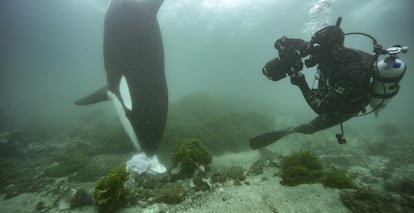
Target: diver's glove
(299,80)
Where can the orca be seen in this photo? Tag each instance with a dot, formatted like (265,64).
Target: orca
(134,64)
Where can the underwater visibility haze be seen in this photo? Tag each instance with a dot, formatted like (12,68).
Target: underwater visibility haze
(52,54)
(52,51)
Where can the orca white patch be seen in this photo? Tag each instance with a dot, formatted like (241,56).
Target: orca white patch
(125,94)
(124,120)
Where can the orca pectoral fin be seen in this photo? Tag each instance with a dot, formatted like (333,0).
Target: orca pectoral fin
(95,97)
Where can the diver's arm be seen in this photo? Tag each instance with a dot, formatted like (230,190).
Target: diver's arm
(334,98)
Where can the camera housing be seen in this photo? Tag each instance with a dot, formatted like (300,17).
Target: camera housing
(275,69)
(278,68)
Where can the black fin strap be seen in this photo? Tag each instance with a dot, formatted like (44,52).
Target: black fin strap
(340,137)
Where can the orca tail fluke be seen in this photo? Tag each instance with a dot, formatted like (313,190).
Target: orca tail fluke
(95,97)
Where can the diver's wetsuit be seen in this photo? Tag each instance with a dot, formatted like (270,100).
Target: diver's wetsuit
(343,86)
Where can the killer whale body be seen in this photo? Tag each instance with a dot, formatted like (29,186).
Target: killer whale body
(134,65)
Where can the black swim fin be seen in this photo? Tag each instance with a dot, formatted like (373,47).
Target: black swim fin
(268,138)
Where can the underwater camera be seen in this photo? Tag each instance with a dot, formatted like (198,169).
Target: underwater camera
(289,63)
(275,69)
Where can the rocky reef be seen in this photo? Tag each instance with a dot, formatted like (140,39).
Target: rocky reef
(70,168)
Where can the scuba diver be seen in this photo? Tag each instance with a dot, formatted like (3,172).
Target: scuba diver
(348,79)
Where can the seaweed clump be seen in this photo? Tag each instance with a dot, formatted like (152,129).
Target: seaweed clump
(368,200)
(301,167)
(171,193)
(236,174)
(306,167)
(338,178)
(190,155)
(110,193)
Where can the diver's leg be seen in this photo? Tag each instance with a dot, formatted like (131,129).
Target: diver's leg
(322,122)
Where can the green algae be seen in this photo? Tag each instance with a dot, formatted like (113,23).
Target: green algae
(189,155)
(110,193)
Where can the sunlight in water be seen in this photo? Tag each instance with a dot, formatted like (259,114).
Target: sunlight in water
(220,4)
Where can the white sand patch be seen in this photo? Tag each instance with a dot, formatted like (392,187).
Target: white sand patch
(243,159)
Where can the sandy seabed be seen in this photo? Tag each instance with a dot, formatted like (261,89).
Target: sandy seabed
(263,193)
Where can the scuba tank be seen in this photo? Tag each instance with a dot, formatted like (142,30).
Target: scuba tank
(389,72)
